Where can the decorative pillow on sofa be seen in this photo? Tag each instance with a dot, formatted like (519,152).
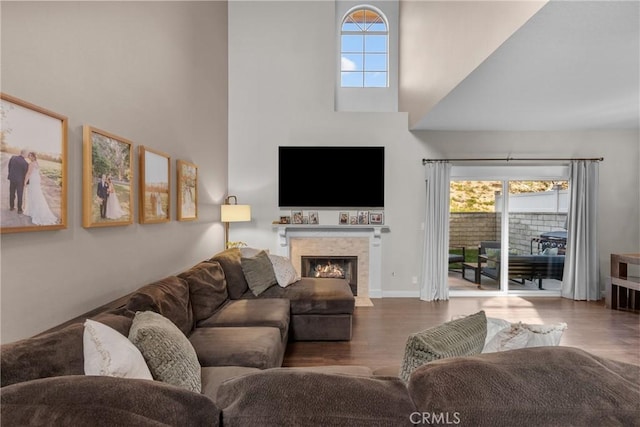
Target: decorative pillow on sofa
(284,270)
(169,354)
(207,288)
(521,335)
(459,337)
(107,352)
(259,273)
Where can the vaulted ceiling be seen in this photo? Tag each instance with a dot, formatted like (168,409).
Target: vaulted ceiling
(574,65)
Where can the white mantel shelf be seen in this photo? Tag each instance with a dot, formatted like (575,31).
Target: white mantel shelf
(286,232)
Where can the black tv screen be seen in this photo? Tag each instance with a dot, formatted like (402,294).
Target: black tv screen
(331,177)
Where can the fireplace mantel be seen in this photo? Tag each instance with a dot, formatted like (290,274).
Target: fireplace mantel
(287,232)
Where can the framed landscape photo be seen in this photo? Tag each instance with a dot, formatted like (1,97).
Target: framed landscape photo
(33,150)
(376,218)
(155,187)
(187,182)
(107,176)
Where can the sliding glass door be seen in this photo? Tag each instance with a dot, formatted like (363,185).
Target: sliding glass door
(520,252)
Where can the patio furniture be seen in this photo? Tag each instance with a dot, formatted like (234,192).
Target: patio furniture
(522,267)
(455,258)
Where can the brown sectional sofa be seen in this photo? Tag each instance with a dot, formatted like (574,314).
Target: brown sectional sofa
(240,342)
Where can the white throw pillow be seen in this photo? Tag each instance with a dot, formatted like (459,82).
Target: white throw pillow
(521,335)
(544,335)
(107,352)
(286,273)
(495,325)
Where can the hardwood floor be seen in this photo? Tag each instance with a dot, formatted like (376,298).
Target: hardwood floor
(380,332)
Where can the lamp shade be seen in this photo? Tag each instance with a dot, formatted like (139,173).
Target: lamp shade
(235,213)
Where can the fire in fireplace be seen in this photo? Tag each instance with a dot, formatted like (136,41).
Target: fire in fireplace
(341,267)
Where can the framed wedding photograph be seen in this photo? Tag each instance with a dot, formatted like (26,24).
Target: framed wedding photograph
(155,191)
(343,218)
(107,176)
(376,218)
(296,217)
(187,181)
(313,217)
(363,217)
(33,150)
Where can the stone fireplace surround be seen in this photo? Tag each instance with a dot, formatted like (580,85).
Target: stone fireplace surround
(363,241)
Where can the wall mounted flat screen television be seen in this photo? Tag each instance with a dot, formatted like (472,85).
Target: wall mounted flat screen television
(331,177)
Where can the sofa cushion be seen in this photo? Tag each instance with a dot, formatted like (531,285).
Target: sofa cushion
(230,261)
(555,386)
(104,401)
(169,354)
(259,273)
(257,346)
(288,397)
(213,376)
(52,354)
(311,295)
(207,288)
(263,312)
(460,337)
(168,297)
(108,352)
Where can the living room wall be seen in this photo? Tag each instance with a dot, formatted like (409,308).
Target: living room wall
(152,72)
(281,89)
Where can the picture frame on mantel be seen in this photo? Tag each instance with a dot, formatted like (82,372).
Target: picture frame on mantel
(343,218)
(34,167)
(107,179)
(363,217)
(155,186)
(187,182)
(376,218)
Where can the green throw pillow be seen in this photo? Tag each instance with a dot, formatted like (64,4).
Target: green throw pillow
(170,356)
(259,273)
(459,337)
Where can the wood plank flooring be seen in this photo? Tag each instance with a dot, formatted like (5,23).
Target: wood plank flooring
(380,332)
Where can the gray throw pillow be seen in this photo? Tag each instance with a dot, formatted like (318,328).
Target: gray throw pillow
(169,355)
(259,273)
(460,337)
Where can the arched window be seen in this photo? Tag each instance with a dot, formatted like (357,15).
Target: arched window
(364,41)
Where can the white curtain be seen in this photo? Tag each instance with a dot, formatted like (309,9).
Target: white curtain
(581,278)
(435,265)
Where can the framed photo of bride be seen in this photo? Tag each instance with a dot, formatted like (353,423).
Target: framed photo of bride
(107,176)
(33,150)
(187,179)
(155,186)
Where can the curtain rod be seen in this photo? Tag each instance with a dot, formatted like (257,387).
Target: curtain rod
(510,159)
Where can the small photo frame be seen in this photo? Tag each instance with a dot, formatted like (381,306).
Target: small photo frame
(343,218)
(285,220)
(34,167)
(313,217)
(154,192)
(296,217)
(305,219)
(363,217)
(353,220)
(187,181)
(107,176)
(376,218)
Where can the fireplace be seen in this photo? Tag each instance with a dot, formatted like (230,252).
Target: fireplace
(329,266)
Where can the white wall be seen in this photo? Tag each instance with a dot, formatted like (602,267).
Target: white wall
(281,86)
(152,72)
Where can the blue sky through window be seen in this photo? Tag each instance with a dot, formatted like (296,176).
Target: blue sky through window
(364,53)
